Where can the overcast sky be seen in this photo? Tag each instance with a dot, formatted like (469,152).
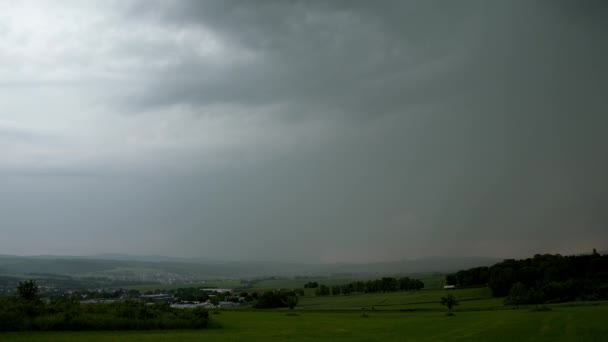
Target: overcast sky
(303,131)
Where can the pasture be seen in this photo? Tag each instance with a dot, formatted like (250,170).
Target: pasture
(431,281)
(470,299)
(222,283)
(562,323)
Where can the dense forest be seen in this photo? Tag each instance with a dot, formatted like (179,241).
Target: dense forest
(544,278)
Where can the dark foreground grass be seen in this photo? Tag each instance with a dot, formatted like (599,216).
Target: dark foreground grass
(576,323)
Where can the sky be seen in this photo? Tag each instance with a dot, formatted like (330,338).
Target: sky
(303,131)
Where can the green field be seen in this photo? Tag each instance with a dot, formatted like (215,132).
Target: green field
(397,316)
(222,284)
(470,299)
(580,323)
(291,283)
(431,281)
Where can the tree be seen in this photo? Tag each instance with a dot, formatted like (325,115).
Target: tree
(276,299)
(133,293)
(323,290)
(336,289)
(215,300)
(28,290)
(449,301)
(292,301)
(536,296)
(347,289)
(517,295)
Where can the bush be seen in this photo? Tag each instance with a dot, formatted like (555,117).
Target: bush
(276,299)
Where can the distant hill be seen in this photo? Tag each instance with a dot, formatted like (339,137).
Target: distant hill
(147,267)
(420,265)
(150,258)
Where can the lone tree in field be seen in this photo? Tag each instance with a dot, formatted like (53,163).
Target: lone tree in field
(292,301)
(28,290)
(449,301)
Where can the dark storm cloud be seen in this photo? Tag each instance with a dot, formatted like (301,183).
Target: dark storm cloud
(364,59)
(513,145)
(352,130)
(339,56)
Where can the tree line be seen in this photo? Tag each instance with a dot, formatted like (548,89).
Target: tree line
(385,284)
(544,278)
(277,299)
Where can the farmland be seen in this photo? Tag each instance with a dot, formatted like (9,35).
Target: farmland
(562,323)
(431,281)
(383,309)
(470,299)
(379,317)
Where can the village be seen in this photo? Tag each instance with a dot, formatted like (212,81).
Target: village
(182,298)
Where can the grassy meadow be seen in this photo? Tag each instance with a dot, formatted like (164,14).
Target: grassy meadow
(470,299)
(576,323)
(431,281)
(399,316)
(222,284)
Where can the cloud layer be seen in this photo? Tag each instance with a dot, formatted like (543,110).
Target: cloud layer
(344,131)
